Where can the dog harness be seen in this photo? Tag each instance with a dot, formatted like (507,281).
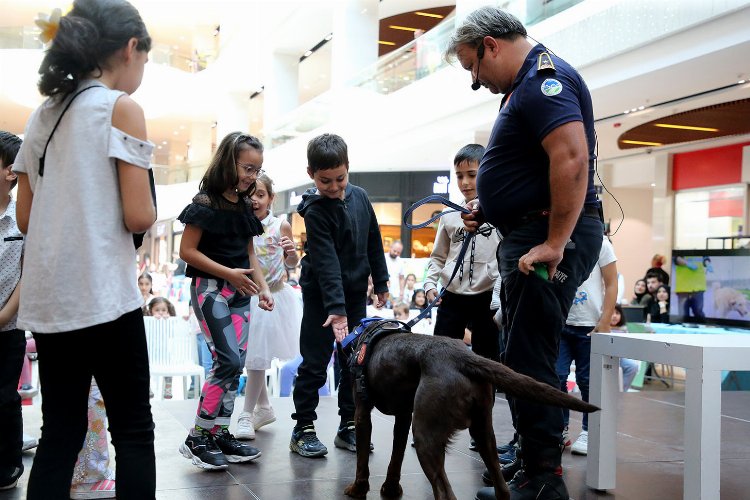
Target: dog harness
(362,341)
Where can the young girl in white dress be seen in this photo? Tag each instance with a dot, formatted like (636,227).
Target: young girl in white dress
(273,334)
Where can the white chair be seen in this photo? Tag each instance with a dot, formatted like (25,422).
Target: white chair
(172,352)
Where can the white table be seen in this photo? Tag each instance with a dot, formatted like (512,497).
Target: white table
(703,357)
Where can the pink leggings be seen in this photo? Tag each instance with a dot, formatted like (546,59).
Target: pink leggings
(224,316)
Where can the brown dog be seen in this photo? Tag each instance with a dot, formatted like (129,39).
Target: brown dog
(447,388)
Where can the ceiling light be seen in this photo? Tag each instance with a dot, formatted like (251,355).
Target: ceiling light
(626,111)
(383,42)
(429,14)
(402,28)
(686,127)
(642,143)
(328,37)
(164,142)
(653,184)
(641,108)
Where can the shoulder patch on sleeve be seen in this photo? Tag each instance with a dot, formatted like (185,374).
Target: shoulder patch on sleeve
(551,87)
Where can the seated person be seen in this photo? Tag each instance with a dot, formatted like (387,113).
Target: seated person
(658,310)
(641,297)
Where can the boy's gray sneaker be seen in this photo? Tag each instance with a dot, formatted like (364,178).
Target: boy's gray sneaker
(305,442)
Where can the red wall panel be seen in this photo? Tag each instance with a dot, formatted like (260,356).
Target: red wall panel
(709,167)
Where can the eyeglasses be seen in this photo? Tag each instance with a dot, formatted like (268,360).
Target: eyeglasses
(251,169)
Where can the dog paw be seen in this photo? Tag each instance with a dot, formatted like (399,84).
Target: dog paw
(357,489)
(391,490)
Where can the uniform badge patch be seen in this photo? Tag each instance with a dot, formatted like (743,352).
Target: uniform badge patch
(551,87)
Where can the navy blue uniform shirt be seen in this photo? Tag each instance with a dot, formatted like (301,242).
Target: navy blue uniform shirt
(513,177)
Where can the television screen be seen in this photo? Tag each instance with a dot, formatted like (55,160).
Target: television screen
(710,286)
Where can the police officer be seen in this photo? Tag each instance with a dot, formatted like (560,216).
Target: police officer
(535,184)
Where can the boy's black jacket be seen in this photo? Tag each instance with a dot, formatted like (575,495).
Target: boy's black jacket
(343,248)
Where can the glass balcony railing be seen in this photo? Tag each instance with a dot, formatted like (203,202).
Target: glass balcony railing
(400,68)
(27,37)
(20,37)
(183,172)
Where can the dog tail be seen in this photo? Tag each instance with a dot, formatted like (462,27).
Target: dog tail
(521,386)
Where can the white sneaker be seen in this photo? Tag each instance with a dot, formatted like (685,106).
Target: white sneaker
(263,416)
(29,442)
(245,428)
(581,446)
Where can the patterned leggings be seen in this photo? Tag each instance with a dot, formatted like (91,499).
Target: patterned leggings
(224,316)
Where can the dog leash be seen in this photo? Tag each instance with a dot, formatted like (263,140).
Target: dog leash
(468,237)
(459,260)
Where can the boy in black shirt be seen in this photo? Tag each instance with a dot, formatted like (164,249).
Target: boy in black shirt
(343,248)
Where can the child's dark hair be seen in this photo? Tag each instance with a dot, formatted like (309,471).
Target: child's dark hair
(623,321)
(148,277)
(470,153)
(414,304)
(268,183)
(327,151)
(161,300)
(87,37)
(9,146)
(222,171)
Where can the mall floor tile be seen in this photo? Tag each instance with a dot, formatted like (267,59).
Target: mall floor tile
(649,455)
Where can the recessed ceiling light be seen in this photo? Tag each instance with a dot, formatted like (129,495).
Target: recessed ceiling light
(641,143)
(328,37)
(164,142)
(308,53)
(429,14)
(653,184)
(402,28)
(686,127)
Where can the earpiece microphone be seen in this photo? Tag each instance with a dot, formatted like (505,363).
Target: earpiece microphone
(480,54)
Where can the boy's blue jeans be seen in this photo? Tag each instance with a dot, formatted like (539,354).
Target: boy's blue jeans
(575,345)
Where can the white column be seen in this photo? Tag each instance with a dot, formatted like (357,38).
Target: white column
(663,206)
(237,69)
(355,39)
(281,93)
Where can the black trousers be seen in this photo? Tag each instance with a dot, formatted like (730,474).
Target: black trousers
(457,312)
(12,352)
(535,311)
(115,354)
(316,347)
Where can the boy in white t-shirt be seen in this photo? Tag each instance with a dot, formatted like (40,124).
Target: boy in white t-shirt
(590,313)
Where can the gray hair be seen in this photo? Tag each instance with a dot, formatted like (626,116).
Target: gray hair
(485,21)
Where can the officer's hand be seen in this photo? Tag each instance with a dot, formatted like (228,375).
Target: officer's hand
(475,219)
(382,298)
(543,253)
(431,296)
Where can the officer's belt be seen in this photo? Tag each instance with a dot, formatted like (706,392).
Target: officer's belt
(507,227)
